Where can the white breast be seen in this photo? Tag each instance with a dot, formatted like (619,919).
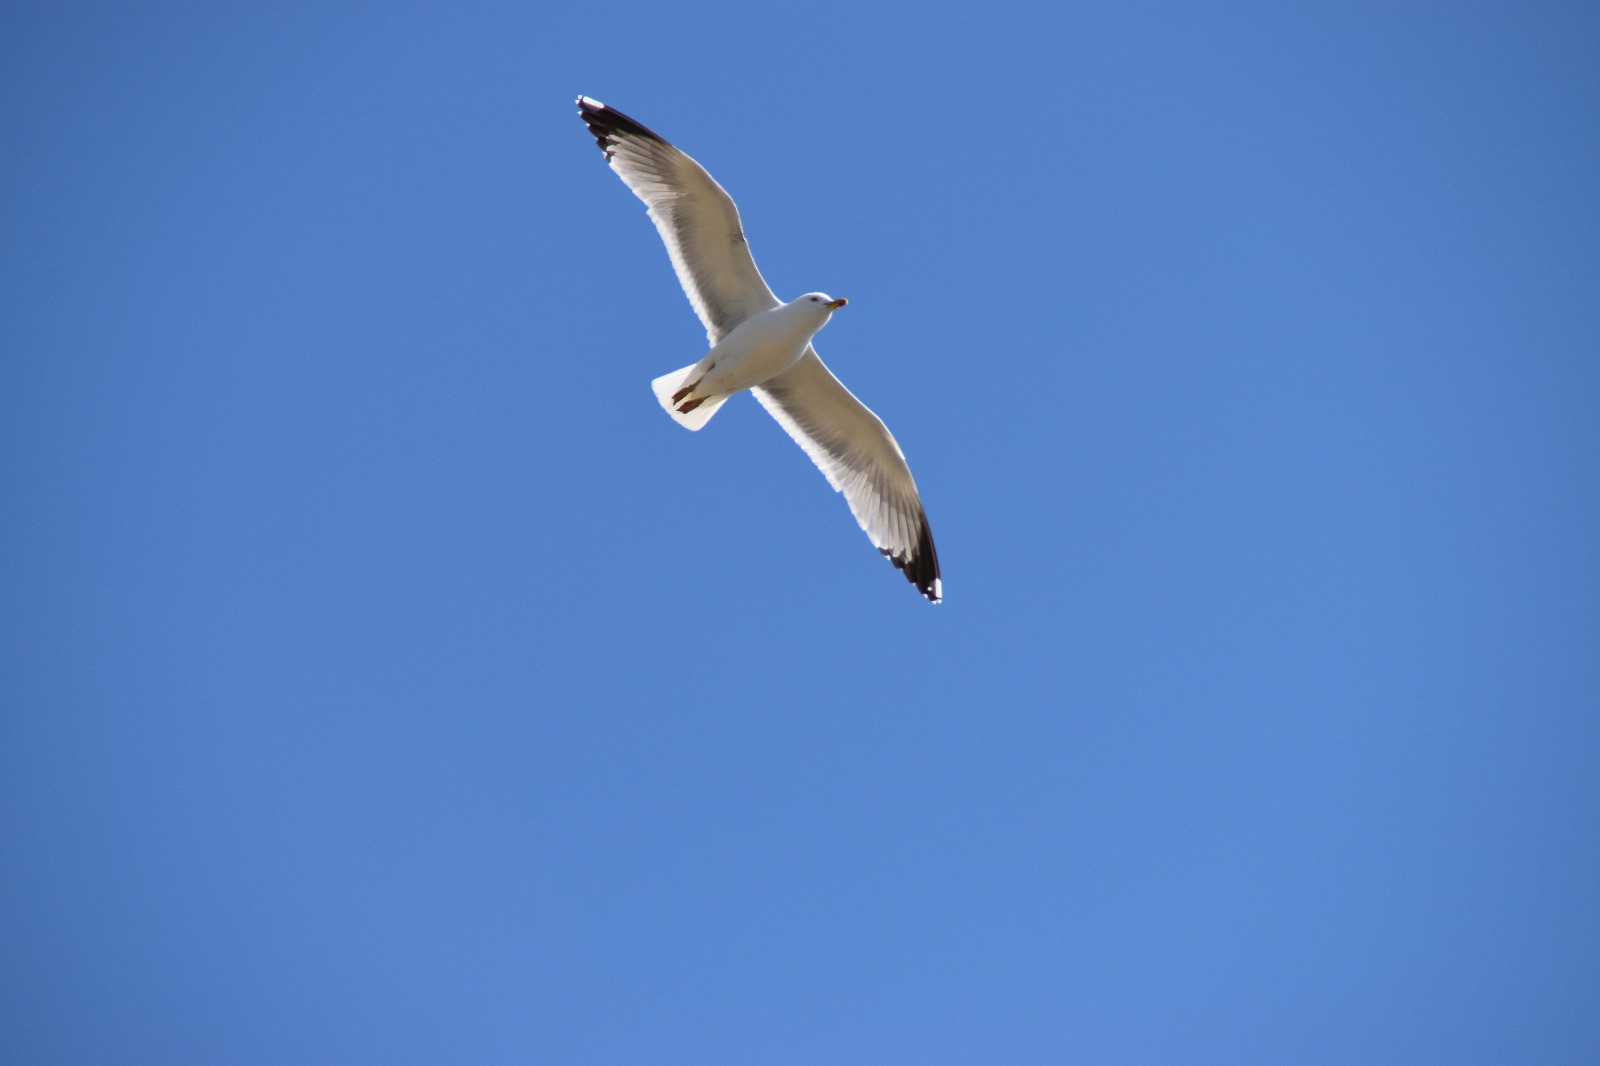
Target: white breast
(761,347)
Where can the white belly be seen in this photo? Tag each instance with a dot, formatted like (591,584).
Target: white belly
(761,347)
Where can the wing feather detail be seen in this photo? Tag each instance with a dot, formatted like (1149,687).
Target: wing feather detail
(859,457)
(698,221)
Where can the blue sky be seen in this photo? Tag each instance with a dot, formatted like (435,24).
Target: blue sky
(387,679)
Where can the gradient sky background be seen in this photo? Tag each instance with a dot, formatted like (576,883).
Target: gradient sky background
(388,680)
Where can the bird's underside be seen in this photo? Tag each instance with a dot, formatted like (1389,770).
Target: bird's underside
(705,240)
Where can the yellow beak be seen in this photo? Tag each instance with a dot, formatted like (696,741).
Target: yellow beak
(834,305)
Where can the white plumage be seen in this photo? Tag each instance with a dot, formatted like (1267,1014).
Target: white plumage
(760,344)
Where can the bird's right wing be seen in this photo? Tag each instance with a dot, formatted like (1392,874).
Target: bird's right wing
(696,218)
(854,450)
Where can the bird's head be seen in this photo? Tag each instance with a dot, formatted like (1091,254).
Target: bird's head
(820,302)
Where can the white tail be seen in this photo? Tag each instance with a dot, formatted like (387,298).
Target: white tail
(667,384)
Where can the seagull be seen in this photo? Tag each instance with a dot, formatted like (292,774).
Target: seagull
(760,344)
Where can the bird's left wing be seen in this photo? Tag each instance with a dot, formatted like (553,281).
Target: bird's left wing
(696,219)
(854,450)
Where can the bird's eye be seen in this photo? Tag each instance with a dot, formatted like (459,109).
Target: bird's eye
(813,299)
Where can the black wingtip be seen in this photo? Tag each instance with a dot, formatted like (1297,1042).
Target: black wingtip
(921,567)
(608,124)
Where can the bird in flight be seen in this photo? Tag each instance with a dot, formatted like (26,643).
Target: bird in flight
(762,345)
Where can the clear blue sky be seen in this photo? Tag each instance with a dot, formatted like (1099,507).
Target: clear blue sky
(388,680)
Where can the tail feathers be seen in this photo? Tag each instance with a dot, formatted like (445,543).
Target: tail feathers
(667,384)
